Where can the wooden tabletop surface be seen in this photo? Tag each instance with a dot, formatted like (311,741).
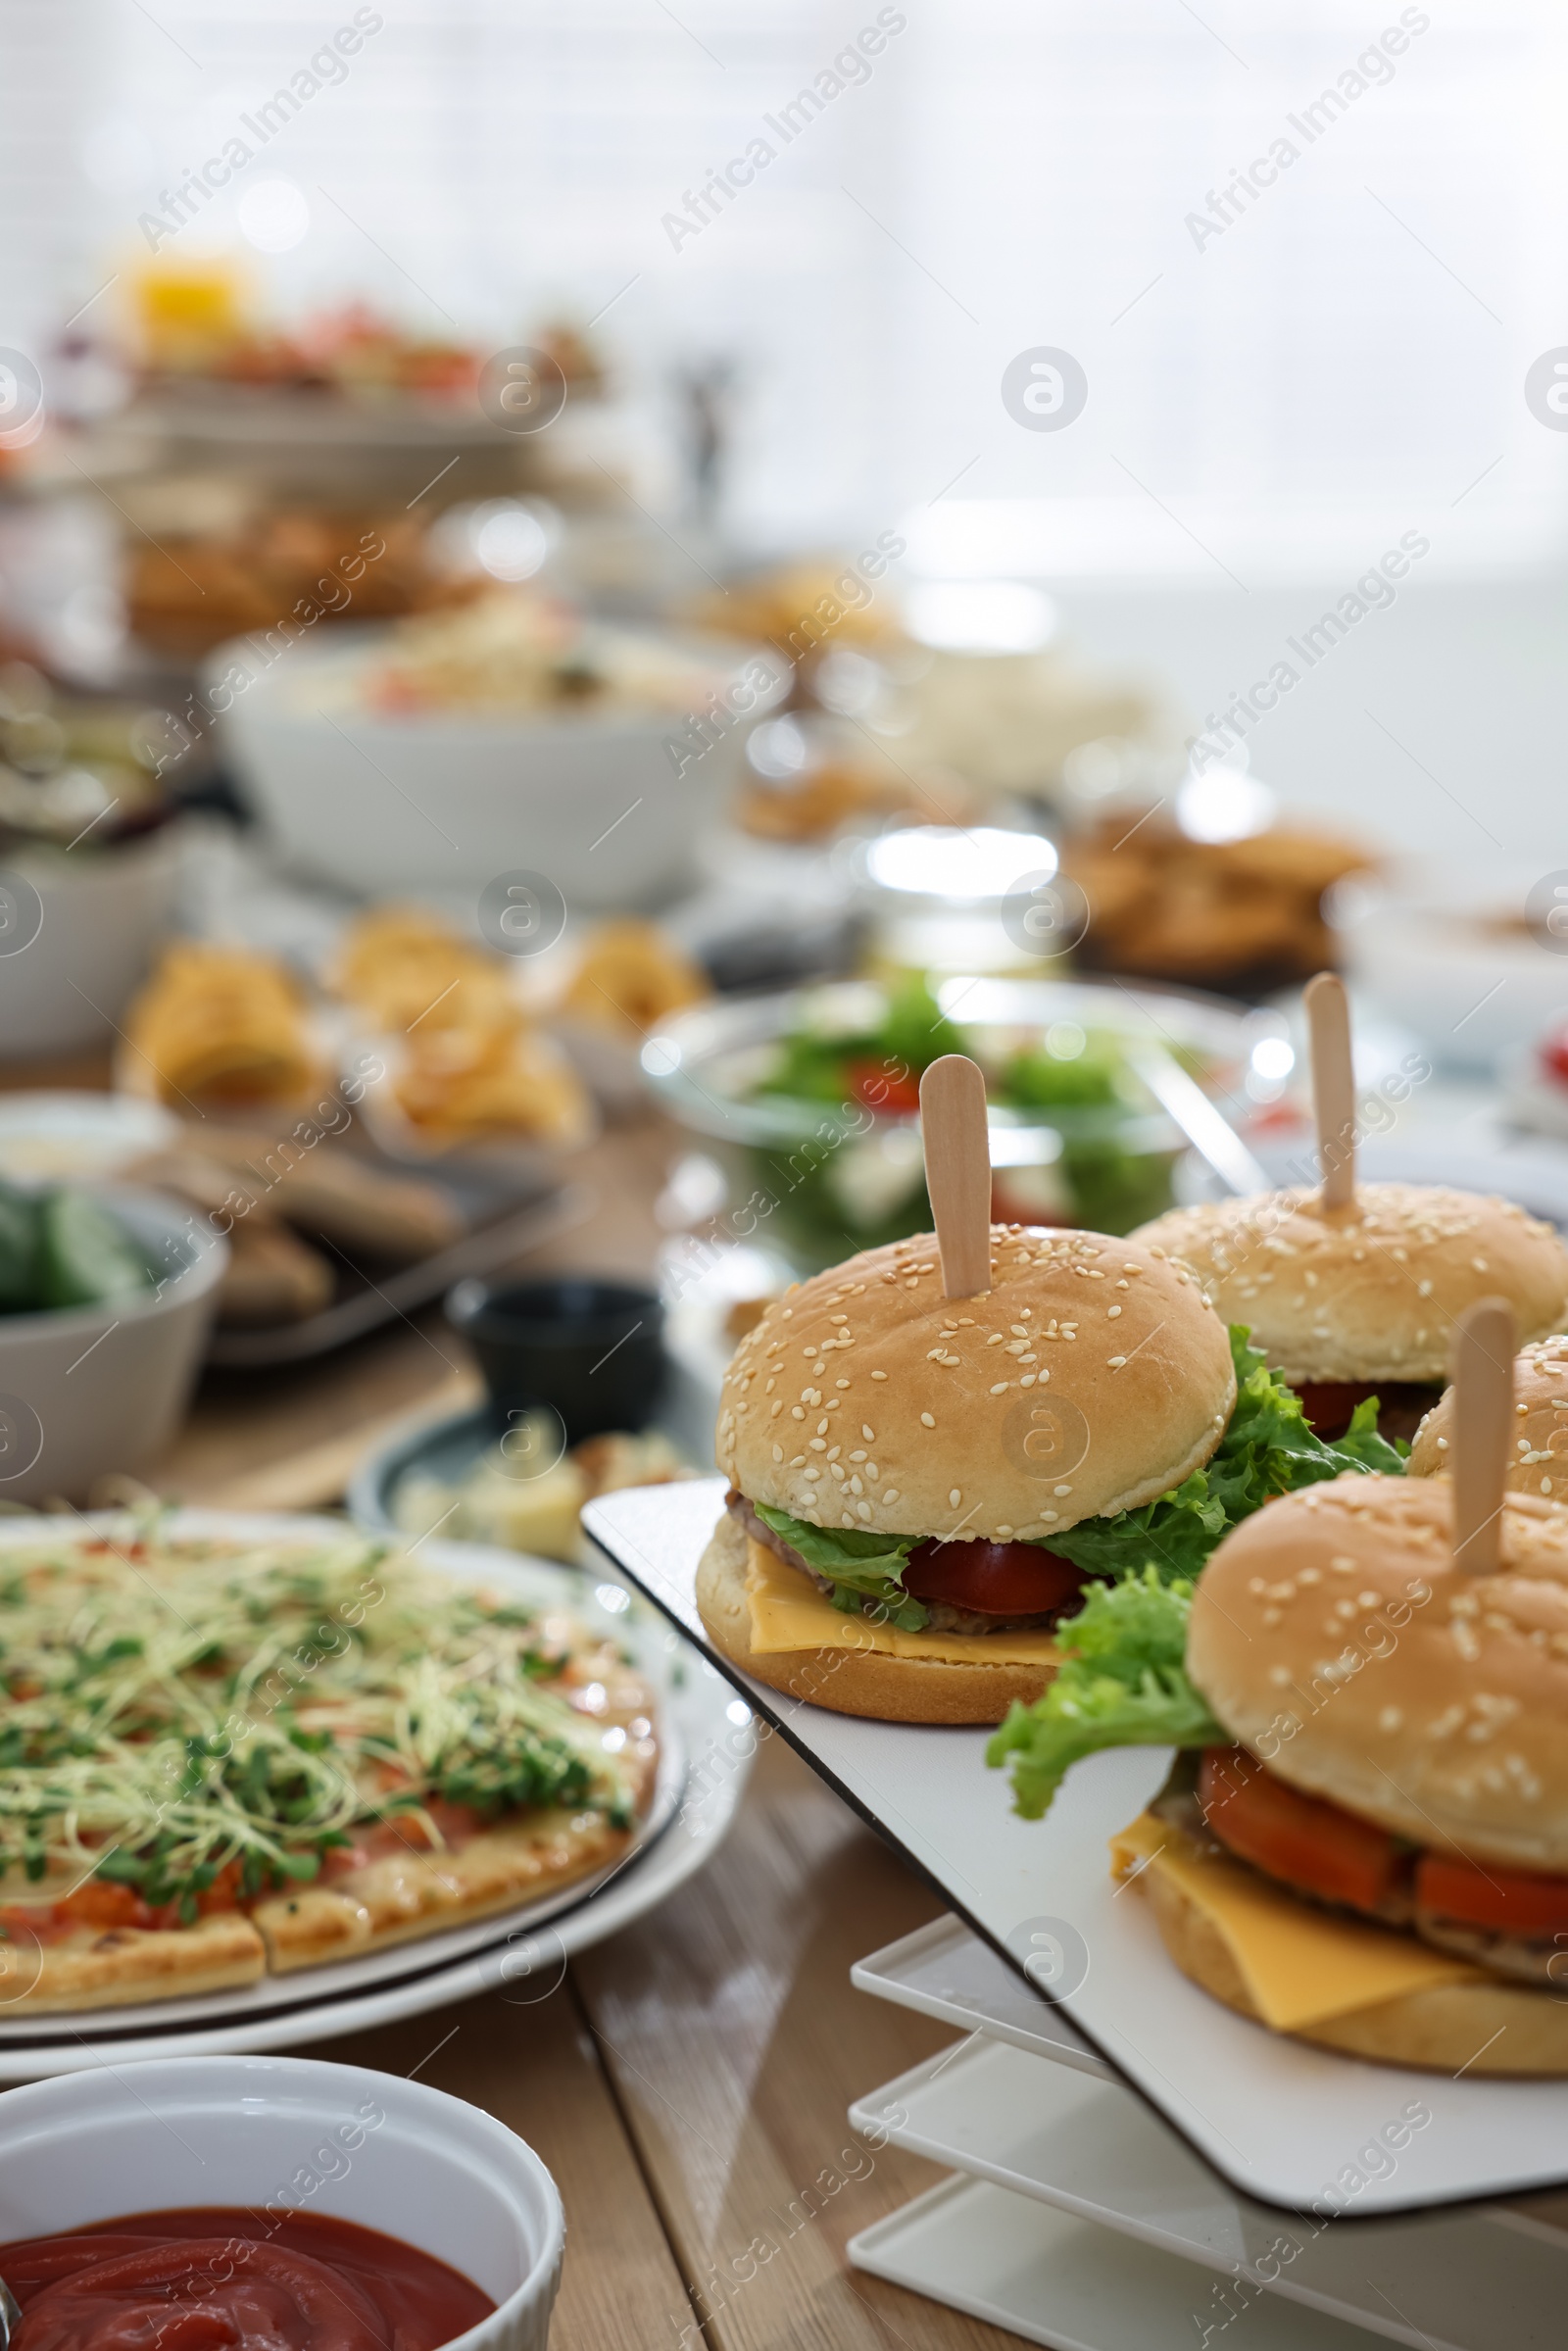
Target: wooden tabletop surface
(686,2081)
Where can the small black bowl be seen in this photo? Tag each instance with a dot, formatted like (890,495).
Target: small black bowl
(592,1350)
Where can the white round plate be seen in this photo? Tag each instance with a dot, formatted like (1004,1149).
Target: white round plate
(703,1766)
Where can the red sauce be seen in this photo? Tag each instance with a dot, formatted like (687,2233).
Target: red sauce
(213,2279)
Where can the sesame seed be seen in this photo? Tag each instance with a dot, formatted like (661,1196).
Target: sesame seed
(796,1413)
(868,1433)
(1062,1489)
(1116,1361)
(955,1498)
(1112,1313)
(879,1375)
(999,1387)
(778,1452)
(926,1421)
(891,1494)
(1028,1379)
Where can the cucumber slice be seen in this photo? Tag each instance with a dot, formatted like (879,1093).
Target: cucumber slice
(87,1258)
(19,1251)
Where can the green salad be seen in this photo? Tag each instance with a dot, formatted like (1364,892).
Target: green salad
(1071,1088)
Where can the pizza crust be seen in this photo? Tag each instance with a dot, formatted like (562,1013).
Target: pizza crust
(405,1895)
(108,1966)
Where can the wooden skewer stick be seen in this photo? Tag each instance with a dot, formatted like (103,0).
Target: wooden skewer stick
(1328,1013)
(1483,1426)
(958,1171)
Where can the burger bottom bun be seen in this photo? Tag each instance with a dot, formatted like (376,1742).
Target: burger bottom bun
(865,1681)
(1445,2028)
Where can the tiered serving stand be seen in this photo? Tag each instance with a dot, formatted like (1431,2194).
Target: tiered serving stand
(1135,2168)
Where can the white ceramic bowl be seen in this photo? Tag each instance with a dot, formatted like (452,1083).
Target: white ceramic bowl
(294,2133)
(103,914)
(435,799)
(88,1390)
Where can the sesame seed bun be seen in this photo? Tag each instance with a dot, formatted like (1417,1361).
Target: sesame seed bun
(847,1680)
(1091,1377)
(1477,2028)
(1333,1634)
(1370,1291)
(1537,1450)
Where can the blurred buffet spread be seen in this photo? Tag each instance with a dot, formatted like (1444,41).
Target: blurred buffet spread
(397,817)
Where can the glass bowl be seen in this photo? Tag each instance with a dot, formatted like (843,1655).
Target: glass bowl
(826,1172)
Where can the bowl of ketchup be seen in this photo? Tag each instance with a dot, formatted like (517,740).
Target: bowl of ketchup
(213,2203)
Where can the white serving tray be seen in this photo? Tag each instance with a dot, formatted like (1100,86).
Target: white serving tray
(1282,2122)
(1477,2281)
(1062,2282)
(943,1971)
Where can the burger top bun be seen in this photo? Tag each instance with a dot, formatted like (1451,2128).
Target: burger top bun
(1333,1635)
(1369,1292)
(1091,1377)
(1538,1451)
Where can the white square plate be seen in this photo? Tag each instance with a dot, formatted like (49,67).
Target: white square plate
(1284,2123)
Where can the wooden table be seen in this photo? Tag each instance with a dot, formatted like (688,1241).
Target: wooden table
(687,2082)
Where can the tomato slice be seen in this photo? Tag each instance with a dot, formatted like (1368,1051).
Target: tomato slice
(873,1083)
(1506,1902)
(1329,1404)
(994,1579)
(1302,1839)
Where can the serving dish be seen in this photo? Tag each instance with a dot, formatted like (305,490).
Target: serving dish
(600,805)
(706,1743)
(294,2134)
(824,1174)
(89,1390)
(100,914)
(1281,2121)
(507,1212)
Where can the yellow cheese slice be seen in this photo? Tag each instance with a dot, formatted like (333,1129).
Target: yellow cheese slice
(1299,1963)
(789,1613)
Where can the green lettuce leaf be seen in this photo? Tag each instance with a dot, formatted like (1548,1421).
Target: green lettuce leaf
(861,1567)
(1267,1449)
(1122,1684)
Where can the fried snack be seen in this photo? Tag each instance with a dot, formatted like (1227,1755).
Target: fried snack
(328,1192)
(224,1025)
(632,977)
(490,1081)
(403,967)
(1218,914)
(271,1277)
(821,601)
(815,805)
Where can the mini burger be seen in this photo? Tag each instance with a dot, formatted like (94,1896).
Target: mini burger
(1369,1847)
(1360,1301)
(921,1484)
(1538,1446)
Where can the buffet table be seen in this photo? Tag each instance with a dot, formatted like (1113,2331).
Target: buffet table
(687,2082)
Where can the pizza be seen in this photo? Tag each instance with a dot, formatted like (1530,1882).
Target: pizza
(220,1760)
